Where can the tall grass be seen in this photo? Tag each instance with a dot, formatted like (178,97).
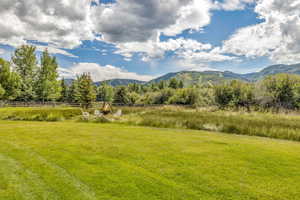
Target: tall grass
(255,124)
(281,126)
(39,114)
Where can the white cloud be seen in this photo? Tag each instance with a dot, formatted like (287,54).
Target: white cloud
(188,65)
(131,25)
(134,26)
(101,73)
(140,21)
(232,4)
(277,37)
(64,23)
(205,57)
(54,50)
(157,49)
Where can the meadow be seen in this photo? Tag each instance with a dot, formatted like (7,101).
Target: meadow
(272,125)
(75,160)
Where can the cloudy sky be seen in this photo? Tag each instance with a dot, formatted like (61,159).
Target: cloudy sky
(142,39)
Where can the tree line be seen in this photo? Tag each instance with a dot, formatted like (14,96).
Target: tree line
(26,79)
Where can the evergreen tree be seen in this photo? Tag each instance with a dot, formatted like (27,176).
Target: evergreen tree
(86,90)
(174,83)
(24,60)
(162,85)
(73,93)
(48,86)
(134,87)
(9,80)
(180,84)
(64,91)
(105,93)
(121,95)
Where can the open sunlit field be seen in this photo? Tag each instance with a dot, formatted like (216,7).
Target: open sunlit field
(272,125)
(72,160)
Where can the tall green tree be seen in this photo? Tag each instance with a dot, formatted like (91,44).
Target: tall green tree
(223,95)
(174,83)
(105,93)
(162,85)
(280,90)
(121,95)
(73,93)
(64,91)
(242,94)
(134,87)
(9,80)
(86,90)
(24,59)
(47,85)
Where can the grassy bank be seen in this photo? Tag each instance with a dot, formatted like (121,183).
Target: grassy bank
(39,113)
(280,126)
(68,160)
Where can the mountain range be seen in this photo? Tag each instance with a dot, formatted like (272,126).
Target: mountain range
(193,77)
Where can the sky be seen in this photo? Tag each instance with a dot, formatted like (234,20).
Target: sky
(143,39)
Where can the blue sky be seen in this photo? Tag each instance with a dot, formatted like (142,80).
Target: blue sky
(142,40)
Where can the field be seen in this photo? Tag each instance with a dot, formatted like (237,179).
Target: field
(148,153)
(272,125)
(72,160)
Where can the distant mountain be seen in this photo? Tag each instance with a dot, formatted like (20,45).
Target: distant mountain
(274,69)
(112,82)
(193,77)
(118,82)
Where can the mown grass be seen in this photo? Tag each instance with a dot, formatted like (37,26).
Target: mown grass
(79,161)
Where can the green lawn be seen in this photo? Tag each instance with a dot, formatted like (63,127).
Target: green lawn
(78,161)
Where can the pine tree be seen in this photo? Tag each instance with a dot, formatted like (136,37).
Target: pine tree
(162,85)
(47,85)
(105,93)
(73,93)
(86,90)
(121,95)
(24,60)
(174,83)
(180,84)
(9,80)
(64,91)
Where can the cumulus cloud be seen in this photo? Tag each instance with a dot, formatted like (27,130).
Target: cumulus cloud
(277,37)
(140,21)
(101,73)
(232,4)
(64,23)
(131,25)
(157,49)
(135,26)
